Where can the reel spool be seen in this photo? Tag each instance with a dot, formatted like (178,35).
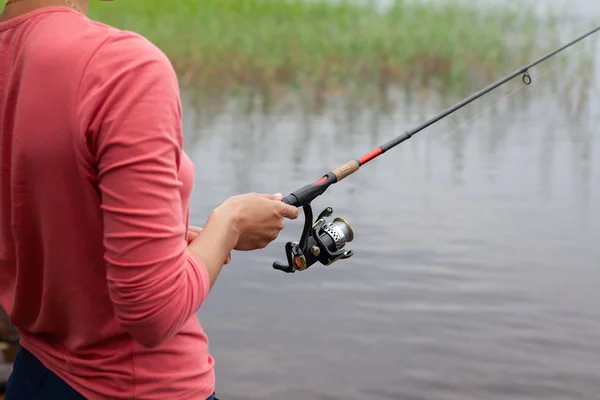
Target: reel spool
(321,241)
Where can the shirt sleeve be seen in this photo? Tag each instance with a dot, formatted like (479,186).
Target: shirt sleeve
(129,108)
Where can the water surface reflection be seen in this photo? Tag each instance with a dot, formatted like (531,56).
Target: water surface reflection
(476,267)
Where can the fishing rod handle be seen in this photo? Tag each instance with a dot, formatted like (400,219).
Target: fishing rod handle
(290,199)
(308,193)
(345,170)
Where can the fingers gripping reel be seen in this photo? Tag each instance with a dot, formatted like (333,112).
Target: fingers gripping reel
(320,241)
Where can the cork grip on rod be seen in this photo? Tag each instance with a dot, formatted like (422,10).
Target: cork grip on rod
(347,169)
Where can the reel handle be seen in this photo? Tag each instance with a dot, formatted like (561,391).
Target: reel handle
(281,266)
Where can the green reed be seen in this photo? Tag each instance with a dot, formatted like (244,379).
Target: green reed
(331,45)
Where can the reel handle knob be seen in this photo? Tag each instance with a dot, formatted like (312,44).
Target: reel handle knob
(281,266)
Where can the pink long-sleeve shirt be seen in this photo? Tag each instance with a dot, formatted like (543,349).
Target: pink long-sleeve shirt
(94,205)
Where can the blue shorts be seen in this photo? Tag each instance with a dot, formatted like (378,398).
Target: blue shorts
(31,380)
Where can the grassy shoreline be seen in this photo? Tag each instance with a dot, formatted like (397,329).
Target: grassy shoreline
(222,45)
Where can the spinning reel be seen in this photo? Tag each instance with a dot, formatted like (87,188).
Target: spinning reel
(320,241)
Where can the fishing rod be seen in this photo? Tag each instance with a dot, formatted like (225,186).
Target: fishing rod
(325,241)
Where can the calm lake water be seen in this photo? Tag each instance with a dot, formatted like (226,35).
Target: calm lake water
(476,272)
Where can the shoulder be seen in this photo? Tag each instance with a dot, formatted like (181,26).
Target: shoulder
(68,41)
(71,45)
(126,78)
(123,67)
(126,55)
(125,47)
(83,54)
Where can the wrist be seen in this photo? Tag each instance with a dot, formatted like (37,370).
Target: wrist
(227,220)
(215,242)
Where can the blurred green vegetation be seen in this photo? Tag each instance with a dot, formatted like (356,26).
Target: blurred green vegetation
(327,46)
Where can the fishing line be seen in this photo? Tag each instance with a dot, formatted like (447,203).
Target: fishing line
(498,102)
(325,241)
(352,191)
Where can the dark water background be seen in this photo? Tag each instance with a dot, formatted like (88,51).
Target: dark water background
(476,272)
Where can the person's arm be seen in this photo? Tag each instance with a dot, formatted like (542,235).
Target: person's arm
(193,233)
(129,107)
(207,245)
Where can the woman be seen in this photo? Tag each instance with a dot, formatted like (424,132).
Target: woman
(97,269)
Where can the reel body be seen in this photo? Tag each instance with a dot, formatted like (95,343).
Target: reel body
(321,241)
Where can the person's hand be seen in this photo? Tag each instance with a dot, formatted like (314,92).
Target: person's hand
(194,232)
(257,218)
